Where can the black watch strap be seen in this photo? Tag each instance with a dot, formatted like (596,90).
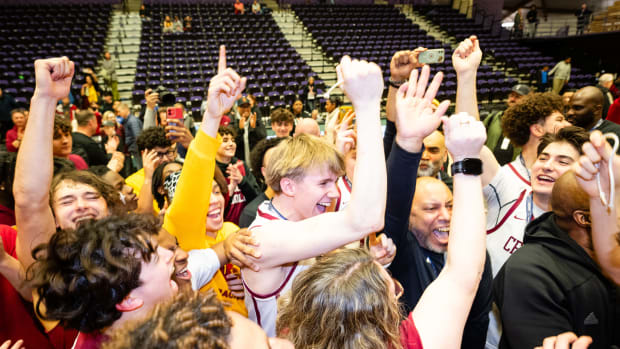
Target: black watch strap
(467,166)
(396,84)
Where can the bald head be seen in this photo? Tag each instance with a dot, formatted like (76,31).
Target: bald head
(568,197)
(431,212)
(308,126)
(586,107)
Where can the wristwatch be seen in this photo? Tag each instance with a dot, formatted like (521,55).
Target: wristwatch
(396,84)
(467,166)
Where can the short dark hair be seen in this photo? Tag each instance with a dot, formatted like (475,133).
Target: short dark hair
(81,274)
(336,100)
(61,125)
(573,135)
(151,138)
(189,320)
(227,130)
(258,154)
(18,110)
(282,115)
(99,170)
(109,193)
(529,110)
(84,116)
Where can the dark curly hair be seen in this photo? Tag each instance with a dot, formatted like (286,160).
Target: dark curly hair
(227,130)
(189,320)
(257,155)
(61,125)
(282,115)
(573,135)
(109,193)
(153,137)
(531,109)
(80,275)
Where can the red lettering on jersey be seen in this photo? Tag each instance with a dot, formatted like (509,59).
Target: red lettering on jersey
(512,244)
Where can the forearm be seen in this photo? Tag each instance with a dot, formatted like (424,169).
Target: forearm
(401,169)
(605,232)
(13,271)
(145,198)
(33,176)
(371,178)
(466,98)
(467,240)
(210,124)
(149,118)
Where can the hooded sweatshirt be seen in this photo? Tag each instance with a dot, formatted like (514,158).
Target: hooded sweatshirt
(551,285)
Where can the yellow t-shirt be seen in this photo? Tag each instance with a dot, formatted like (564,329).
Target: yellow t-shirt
(186,217)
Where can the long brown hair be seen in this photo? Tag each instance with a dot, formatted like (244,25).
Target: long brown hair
(341,302)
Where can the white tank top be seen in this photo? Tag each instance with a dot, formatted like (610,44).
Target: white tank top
(263,308)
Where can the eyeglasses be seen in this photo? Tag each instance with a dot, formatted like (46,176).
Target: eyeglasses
(168,153)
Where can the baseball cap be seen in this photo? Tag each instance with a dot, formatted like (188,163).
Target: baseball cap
(242,101)
(521,89)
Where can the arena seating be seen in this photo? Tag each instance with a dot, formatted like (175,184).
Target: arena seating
(32,31)
(361,32)
(185,62)
(510,52)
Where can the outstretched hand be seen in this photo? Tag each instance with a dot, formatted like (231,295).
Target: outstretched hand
(465,136)
(415,118)
(467,56)
(224,89)
(53,77)
(362,82)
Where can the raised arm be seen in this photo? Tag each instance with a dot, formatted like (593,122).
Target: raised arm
(363,85)
(442,311)
(186,216)
(415,120)
(34,168)
(150,118)
(401,65)
(466,60)
(605,229)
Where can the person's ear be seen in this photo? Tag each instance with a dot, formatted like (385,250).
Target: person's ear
(582,218)
(537,129)
(129,304)
(263,171)
(288,186)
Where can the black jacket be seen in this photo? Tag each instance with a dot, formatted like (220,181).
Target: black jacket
(415,267)
(550,286)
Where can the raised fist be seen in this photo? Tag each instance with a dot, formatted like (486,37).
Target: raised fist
(53,77)
(362,81)
(403,62)
(467,56)
(464,136)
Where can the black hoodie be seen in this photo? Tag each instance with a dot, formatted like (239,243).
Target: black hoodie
(550,286)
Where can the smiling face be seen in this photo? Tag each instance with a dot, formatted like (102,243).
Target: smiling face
(314,192)
(431,213)
(282,129)
(182,275)
(215,215)
(552,162)
(19,119)
(156,279)
(74,202)
(227,149)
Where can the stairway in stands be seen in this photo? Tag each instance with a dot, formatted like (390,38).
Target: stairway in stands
(296,34)
(123,42)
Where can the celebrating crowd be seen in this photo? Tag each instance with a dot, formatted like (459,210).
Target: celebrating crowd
(412,237)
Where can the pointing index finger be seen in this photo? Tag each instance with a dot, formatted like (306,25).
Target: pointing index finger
(221,63)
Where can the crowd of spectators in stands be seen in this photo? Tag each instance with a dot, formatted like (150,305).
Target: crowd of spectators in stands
(498,230)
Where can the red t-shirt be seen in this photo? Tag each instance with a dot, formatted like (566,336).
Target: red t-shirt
(409,336)
(78,161)
(17,319)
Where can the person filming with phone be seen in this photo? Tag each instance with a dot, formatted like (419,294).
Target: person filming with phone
(250,129)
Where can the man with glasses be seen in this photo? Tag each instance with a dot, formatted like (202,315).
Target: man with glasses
(151,139)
